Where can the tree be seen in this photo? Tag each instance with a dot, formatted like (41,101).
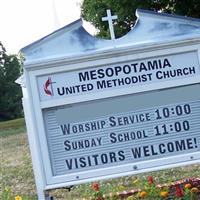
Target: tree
(10,92)
(94,10)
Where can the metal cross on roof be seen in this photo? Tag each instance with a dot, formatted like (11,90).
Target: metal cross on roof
(110,18)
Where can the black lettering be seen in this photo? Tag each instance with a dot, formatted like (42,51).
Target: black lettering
(159,75)
(104,158)
(153,151)
(101,84)
(87,127)
(142,67)
(146,151)
(84,76)
(125,137)
(192,70)
(89,161)
(93,74)
(180,145)
(95,158)
(117,70)
(189,143)
(100,73)
(70,90)
(69,163)
(179,72)
(166,63)
(121,155)
(81,128)
(109,72)
(134,65)
(113,157)
(74,129)
(65,129)
(185,71)
(80,144)
(112,121)
(143,77)
(82,162)
(136,152)
(170,147)
(102,123)
(127,69)
(67,145)
(61,93)
(152,65)
(113,138)
(162,148)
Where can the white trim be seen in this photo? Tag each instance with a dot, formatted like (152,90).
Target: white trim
(40,128)
(34,150)
(109,53)
(66,65)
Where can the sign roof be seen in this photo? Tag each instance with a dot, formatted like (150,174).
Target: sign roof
(151,28)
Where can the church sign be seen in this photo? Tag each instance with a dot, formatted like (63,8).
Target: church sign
(99,109)
(169,68)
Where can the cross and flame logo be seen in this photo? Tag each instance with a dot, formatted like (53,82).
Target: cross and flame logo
(48,89)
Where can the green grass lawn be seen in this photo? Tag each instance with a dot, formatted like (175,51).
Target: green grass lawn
(12,127)
(16,175)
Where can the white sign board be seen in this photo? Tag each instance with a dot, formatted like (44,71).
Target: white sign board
(98,109)
(125,75)
(118,118)
(122,132)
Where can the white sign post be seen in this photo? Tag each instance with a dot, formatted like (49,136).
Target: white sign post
(94,111)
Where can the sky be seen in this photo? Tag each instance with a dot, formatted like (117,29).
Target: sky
(25,21)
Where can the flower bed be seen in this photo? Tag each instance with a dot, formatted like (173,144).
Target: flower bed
(188,189)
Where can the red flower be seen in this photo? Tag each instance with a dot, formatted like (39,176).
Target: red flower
(95,187)
(150,180)
(100,198)
(179,191)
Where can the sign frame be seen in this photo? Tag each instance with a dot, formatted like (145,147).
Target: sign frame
(37,135)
